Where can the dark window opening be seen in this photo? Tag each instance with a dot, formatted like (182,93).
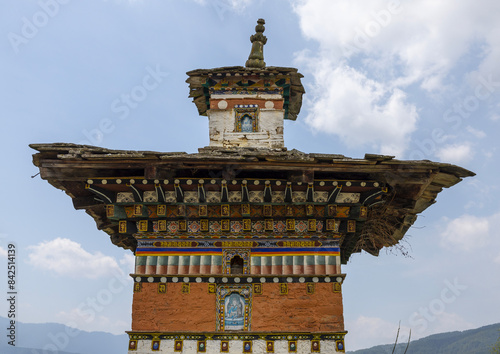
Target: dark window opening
(237,265)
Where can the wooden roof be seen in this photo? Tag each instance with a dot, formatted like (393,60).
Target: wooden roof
(199,82)
(413,185)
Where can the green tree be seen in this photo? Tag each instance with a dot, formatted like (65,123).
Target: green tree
(496,348)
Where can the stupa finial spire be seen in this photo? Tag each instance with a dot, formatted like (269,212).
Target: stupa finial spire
(256,57)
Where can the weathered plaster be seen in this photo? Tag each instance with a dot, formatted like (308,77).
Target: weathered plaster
(269,135)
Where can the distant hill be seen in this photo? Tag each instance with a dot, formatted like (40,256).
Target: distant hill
(33,338)
(19,350)
(473,341)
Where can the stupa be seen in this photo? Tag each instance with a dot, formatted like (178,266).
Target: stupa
(239,247)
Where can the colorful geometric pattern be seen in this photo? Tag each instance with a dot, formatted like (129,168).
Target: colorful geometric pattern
(245,342)
(236,211)
(238,336)
(232,226)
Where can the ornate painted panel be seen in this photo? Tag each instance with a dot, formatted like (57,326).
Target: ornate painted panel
(234,307)
(246,119)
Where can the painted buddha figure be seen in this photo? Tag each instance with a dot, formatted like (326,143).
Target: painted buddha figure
(246,124)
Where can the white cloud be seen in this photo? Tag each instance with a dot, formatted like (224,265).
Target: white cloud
(476,132)
(66,257)
(447,322)
(371,52)
(361,111)
(495,117)
(455,153)
(365,332)
(128,261)
(3,252)
(422,36)
(467,232)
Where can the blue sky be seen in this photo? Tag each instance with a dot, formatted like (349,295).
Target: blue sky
(419,80)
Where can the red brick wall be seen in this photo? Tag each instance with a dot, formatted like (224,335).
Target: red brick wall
(297,311)
(271,312)
(173,311)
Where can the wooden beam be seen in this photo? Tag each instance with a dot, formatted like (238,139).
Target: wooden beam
(84,202)
(150,172)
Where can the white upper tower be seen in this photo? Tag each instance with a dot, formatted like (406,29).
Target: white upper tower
(246,106)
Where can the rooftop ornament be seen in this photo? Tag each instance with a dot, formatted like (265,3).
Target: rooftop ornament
(256,57)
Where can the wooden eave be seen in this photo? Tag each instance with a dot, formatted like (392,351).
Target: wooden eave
(198,78)
(414,184)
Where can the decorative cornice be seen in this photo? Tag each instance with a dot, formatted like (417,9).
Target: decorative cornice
(236,335)
(238,279)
